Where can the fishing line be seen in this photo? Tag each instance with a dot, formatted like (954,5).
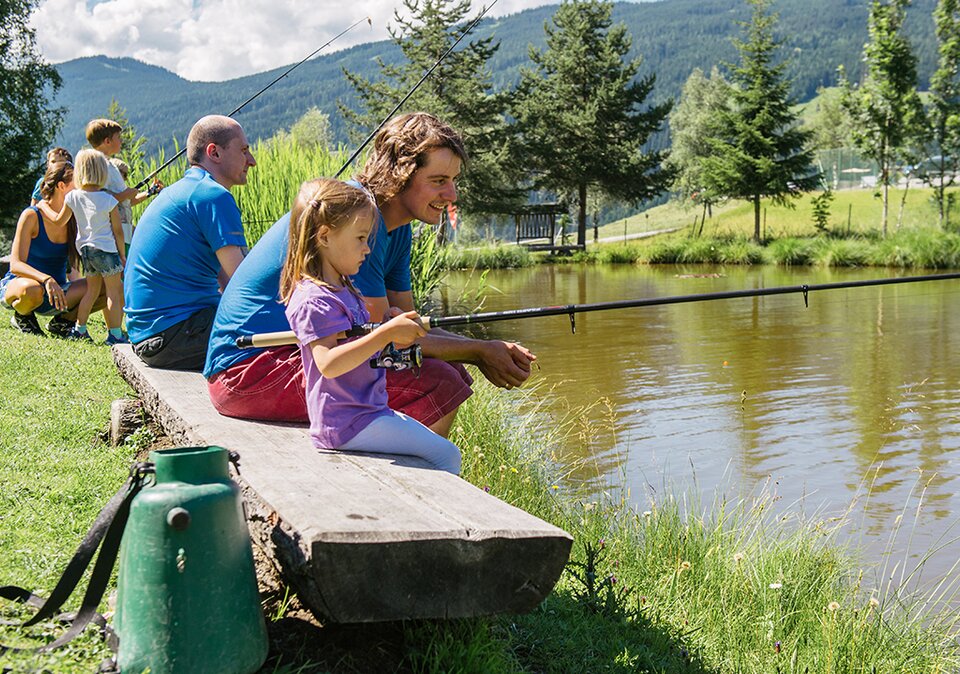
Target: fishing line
(252,98)
(410,93)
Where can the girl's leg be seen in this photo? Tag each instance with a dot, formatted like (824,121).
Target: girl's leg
(89,297)
(113,314)
(397,433)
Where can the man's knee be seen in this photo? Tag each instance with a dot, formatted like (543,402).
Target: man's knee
(443,425)
(432,396)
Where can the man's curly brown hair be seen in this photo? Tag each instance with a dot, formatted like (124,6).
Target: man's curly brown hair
(401,147)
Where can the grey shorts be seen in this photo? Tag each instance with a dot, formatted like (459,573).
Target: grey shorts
(98,262)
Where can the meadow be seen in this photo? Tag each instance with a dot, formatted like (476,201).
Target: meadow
(745,584)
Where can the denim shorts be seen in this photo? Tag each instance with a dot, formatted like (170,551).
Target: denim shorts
(99,262)
(45,308)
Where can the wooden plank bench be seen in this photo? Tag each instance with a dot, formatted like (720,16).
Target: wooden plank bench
(364,537)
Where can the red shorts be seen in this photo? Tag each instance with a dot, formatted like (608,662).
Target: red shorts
(270,387)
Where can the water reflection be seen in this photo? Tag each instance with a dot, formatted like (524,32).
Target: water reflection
(858,389)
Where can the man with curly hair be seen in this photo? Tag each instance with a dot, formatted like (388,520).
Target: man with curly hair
(411,173)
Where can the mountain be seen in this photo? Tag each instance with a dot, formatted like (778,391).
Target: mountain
(672,36)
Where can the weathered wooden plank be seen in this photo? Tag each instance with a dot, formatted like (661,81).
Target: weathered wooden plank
(364,537)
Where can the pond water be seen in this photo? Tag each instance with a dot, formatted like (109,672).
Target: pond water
(849,405)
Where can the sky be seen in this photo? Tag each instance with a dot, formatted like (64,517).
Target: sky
(215,40)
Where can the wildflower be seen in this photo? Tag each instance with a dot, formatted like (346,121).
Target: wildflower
(643,599)
(555,487)
(589,506)
(776,647)
(602,543)
(502,468)
(874,602)
(684,566)
(647,513)
(486,488)
(738,557)
(513,470)
(613,579)
(833,606)
(776,586)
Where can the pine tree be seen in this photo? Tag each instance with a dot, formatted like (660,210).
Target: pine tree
(885,108)
(944,110)
(28,124)
(579,115)
(761,150)
(459,92)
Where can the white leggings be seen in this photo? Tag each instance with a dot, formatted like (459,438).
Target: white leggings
(397,433)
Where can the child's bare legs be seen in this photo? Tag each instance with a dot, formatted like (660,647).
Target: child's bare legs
(113,312)
(89,297)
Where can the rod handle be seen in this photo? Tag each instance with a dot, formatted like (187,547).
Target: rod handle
(266,339)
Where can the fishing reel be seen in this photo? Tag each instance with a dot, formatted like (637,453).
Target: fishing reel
(392,358)
(154,189)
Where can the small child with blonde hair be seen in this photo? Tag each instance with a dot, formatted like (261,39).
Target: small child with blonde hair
(100,242)
(330,224)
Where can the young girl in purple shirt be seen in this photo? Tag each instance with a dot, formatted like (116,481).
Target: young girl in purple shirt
(346,398)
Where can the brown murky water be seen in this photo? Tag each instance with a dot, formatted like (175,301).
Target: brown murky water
(852,400)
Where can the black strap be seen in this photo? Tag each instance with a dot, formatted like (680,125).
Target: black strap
(108,529)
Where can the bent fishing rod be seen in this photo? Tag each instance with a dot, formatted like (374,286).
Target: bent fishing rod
(252,98)
(287,337)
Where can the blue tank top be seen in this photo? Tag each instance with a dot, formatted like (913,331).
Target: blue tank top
(46,256)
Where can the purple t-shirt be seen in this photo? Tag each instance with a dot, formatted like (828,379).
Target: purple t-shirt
(339,407)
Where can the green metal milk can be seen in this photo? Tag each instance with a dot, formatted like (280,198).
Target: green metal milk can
(187,599)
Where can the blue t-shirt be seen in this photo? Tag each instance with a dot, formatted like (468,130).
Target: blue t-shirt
(251,303)
(36,196)
(172,266)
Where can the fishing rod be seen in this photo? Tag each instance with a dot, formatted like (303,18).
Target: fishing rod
(287,337)
(410,93)
(249,100)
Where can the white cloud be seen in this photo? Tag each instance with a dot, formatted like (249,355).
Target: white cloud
(213,39)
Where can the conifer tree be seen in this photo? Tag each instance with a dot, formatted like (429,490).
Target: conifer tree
(459,92)
(886,110)
(761,150)
(944,110)
(28,124)
(580,115)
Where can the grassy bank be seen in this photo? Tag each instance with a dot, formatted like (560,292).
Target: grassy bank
(734,586)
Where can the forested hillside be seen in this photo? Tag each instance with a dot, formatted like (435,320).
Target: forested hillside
(672,36)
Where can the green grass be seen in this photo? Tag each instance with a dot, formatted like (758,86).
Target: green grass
(859,207)
(487,257)
(739,585)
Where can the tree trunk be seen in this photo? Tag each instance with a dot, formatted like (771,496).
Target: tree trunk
(886,205)
(903,203)
(939,190)
(756,218)
(582,216)
(885,180)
